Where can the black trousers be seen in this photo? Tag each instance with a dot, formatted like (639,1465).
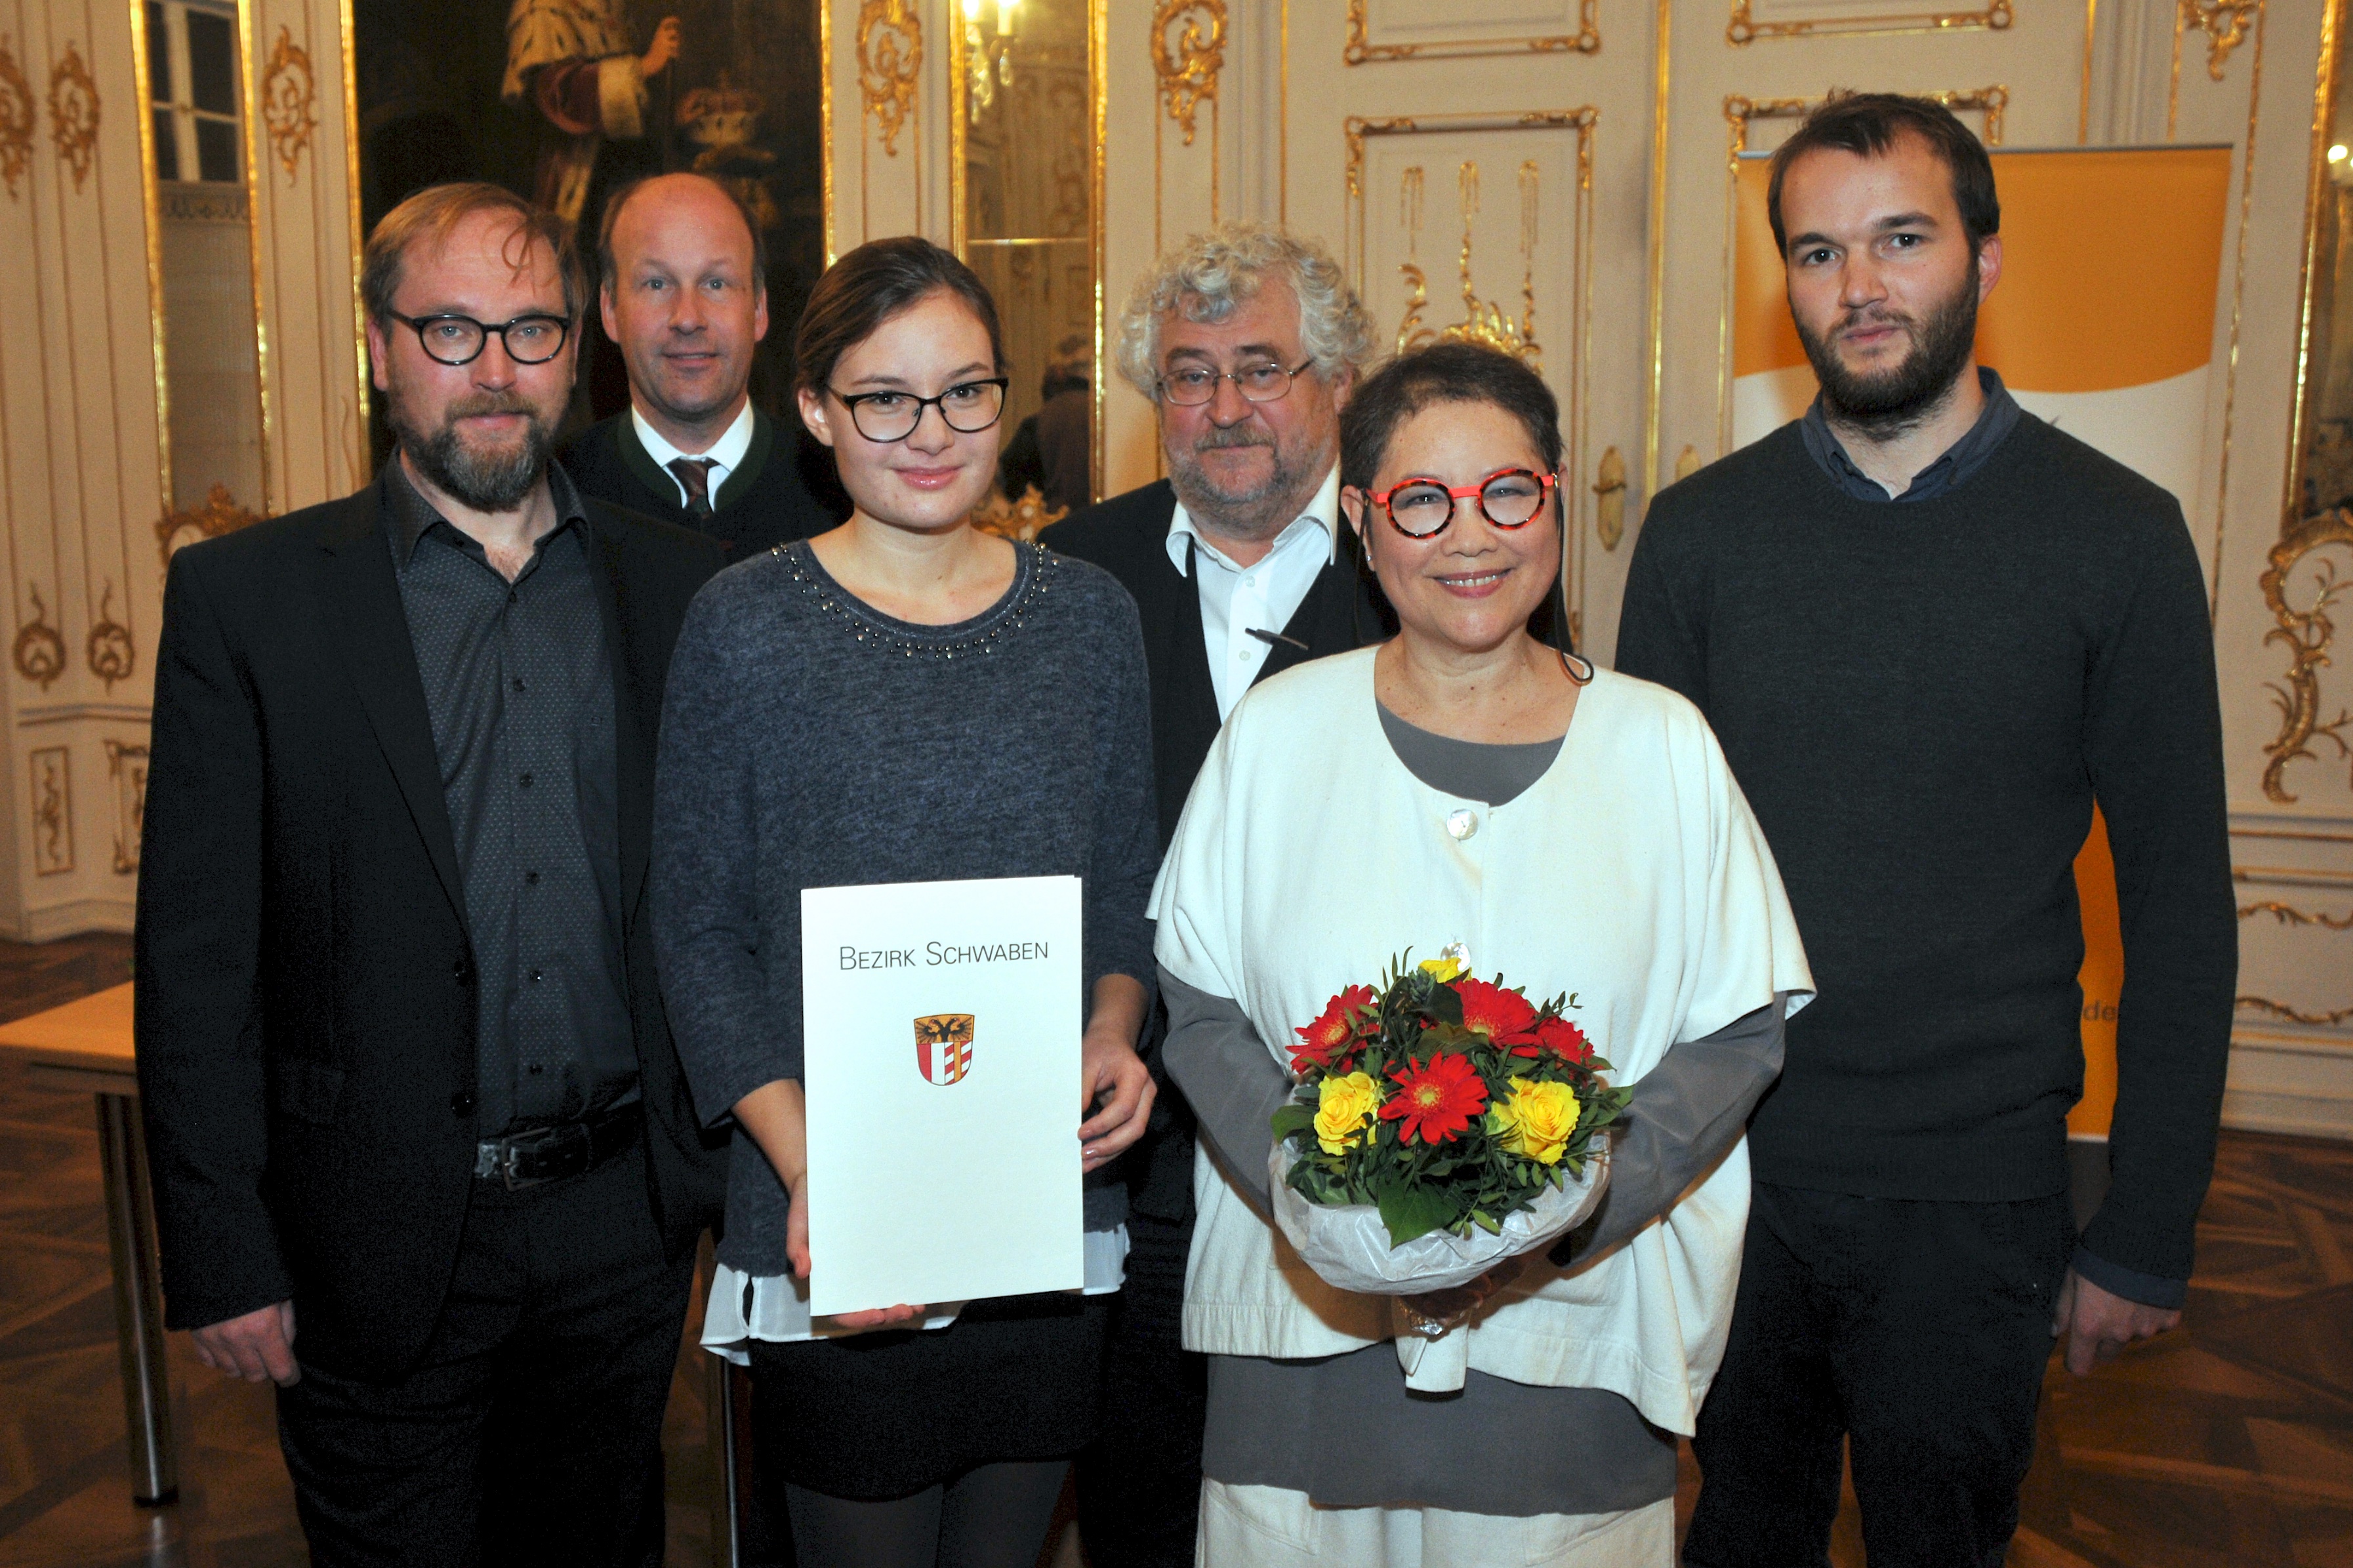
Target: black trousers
(1140,1481)
(1915,1332)
(531,1432)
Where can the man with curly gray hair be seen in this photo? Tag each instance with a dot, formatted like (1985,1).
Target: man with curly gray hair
(1247,340)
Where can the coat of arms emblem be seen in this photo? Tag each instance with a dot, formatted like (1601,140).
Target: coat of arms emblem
(944,1047)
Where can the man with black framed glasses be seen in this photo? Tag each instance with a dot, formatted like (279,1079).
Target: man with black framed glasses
(423,1152)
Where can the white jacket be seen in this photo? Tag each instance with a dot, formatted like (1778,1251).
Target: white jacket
(1632,874)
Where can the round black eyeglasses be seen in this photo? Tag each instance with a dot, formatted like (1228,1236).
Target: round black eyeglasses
(453,339)
(1421,508)
(967,408)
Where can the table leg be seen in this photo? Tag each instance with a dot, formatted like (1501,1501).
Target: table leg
(138,1302)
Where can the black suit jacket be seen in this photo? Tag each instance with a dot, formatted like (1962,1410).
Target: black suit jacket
(784,489)
(305,1003)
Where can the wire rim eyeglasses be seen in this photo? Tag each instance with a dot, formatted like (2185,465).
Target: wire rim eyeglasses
(1192,385)
(967,408)
(453,340)
(1421,508)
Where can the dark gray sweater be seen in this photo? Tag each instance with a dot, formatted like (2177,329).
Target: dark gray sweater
(808,740)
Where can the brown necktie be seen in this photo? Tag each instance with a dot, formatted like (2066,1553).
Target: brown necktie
(694,473)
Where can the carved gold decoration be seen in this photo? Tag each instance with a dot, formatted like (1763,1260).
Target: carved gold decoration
(1361,50)
(1741,111)
(2289,915)
(126,769)
(1023,519)
(1687,462)
(1188,63)
(1744,28)
(16,114)
(112,654)
(1483,321)
(890,57)
(2307,635)
(220,514)
(289,101)
(2224,23)
(1609,499)
(40,652)
(2281,1010)
(73,113)
(53,849)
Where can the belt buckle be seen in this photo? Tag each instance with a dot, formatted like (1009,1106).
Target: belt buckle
(500,1157)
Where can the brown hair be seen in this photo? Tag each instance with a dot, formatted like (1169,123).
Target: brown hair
(870,286)
(1866,125)
(620,198)
(435,213)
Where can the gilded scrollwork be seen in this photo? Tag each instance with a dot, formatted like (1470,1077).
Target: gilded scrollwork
(289,101)
(2289,915)
(126,769)
(1188,50)
(220,514)
(1744,27)
(2305,633)
(53,849)
(890,60)
(73,113)
(1740,111)
(2294,1015)
(1362,50)
(40,650)
(16,118)
(1484,321)
(2225,25)
(109,649)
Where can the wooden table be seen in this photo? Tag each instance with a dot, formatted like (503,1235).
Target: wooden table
(86,1045)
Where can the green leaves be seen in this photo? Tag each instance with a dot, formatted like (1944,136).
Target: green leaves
(1410,1210)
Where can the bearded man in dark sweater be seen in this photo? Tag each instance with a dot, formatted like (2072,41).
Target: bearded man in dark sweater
(684,293)
(1931,630)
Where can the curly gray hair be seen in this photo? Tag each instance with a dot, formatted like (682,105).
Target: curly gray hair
(1210,275)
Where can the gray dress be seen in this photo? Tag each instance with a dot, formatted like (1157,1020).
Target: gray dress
(1497,1447)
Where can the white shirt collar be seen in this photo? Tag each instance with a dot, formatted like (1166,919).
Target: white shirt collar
(726,454)
(1323,514)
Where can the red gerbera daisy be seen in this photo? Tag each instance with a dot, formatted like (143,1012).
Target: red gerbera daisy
(1504,1017)
(1563,1039)
(1436,1099)
(1327,1039)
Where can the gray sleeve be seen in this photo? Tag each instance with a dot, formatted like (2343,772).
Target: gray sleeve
(1686,1113)
(1214,1055)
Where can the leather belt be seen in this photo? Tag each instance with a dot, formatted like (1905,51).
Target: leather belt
(552,1153)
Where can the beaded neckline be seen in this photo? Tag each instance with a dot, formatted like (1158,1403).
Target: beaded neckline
(1033,573)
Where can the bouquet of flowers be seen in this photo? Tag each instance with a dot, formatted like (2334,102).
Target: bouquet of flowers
(1440,1125)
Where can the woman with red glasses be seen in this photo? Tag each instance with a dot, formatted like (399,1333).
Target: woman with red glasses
(1468,787)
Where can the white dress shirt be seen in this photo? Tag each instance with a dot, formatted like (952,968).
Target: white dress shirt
(725,456)
(1237,600)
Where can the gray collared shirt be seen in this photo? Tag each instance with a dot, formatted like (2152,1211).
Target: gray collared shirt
(519,685)
(1961,459)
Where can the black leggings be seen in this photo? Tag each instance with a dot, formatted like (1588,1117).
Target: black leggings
(993,1516)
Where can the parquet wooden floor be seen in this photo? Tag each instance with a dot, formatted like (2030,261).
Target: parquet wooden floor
(2230,1442)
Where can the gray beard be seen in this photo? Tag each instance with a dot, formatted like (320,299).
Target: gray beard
(1257,514)
(483,481)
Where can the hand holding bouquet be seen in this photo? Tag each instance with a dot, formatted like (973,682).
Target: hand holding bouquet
(1439,1127)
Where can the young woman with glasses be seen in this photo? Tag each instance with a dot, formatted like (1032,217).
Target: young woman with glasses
(1465,785)
(903,699)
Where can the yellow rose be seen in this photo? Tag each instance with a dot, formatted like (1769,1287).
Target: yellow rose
(1442,970)
(1537,1122)
(1343,1107)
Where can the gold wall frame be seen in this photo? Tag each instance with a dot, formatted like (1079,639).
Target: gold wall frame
(73,112)
(890,63)
(289,101)
(17,117)
(1744,27)
(1361,50)
(1188,63)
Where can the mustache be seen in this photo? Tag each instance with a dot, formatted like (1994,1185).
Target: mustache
(1873,316)
(1236,436)
(483,403)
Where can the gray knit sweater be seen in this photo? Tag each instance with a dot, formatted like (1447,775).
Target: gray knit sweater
(808,740)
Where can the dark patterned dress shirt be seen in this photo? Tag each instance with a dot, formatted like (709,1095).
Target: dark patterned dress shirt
(518,684)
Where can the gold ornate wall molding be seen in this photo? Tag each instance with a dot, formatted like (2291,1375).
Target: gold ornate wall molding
(39,653)
(112,656)
(73,113)
(289,101)
(1484,321)
(17,115)
(53,849)
(126,770)
(2281,1010)
(2224,23)
(1744,27)
(1361,50)
(2289,915)
(2307,635)
(220,514)
(1740,111)
(890,60)
(1188,50)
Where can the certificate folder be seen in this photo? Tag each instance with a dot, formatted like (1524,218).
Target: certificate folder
(942,1025)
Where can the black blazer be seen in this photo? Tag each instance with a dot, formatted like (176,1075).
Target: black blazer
(1128,537)
(786,488)
(306,1003)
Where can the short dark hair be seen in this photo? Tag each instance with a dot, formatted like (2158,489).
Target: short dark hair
(620,198)
(436,212)
(867,287)
(1443,372)
(1866,125)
